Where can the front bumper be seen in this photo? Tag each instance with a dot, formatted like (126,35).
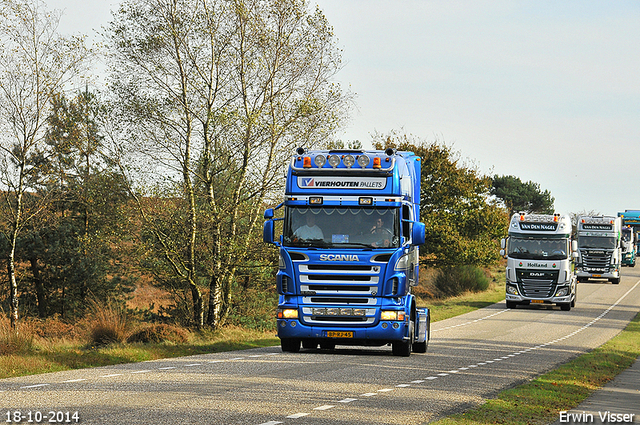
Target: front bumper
(551,300)
(379,334)
(599,275)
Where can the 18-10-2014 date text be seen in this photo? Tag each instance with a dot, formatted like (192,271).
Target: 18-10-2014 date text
(31,416)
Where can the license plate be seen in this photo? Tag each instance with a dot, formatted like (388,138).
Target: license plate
(597,275)
(537,301)
(335,334)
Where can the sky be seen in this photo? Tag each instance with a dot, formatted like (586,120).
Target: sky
(546,91)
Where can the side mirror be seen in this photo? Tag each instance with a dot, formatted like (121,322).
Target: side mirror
(503,244)
(417,233)
(503,252)
(575,254)
(267,231)
(574,246)
(268,214)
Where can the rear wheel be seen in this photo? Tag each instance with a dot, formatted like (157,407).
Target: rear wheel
(290,345)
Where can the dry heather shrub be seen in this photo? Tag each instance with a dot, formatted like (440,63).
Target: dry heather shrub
(109,324)
(54,328)
(12,341)
(160,332)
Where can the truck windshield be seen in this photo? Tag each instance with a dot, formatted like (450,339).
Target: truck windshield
(538,249)
(596,242)
(344,227)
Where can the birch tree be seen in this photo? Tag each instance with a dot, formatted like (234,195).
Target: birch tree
(35,64)
(216,94)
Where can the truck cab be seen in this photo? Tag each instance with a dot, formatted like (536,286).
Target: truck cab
(629,246)
(349,251)
(599,246)
(540,254)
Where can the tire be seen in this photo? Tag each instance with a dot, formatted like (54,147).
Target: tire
(420,347)
(327,345)
(615,280)
(565,306)
(403,348)
(511,304)
(290,345)
(309,344)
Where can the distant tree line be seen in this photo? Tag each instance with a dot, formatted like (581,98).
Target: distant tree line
(165,175)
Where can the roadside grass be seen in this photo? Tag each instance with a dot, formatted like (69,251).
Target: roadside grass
(52,356)
(540,400)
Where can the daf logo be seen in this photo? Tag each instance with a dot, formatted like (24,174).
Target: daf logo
(534,274)
(339,257)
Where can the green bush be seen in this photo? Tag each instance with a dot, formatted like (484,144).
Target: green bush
(456,280)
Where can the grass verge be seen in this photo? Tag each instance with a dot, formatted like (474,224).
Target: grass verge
(540,400)
(46,357)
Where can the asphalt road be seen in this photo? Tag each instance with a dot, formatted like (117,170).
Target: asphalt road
(470,358)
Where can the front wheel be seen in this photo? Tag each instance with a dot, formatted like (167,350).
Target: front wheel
(290,345)
(565,306)
(511,304)
(615,280)
(403,348)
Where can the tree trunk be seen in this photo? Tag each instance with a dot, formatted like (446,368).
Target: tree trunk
(40,294)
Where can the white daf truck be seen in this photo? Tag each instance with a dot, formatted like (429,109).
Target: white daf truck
(600,248)
(540,254)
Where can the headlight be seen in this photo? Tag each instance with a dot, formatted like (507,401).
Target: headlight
(287,313)
(562,292)
(402,263)
(512,290)
(392,315)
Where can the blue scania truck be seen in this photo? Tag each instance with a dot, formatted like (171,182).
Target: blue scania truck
(349,251)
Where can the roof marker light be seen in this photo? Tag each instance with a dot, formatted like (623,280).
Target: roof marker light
(306,162)
(376,162)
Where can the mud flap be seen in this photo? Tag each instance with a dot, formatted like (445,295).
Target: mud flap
(422,324)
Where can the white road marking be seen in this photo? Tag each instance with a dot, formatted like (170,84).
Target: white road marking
(325,407)
(110,376)
(347,400)
(73,380)
(34,386)
(297,415)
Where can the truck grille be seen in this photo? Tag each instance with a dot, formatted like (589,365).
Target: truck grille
(332,293)
(537,283)
(596,261)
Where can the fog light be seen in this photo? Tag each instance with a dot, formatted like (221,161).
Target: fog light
(396,325)
(385,325)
